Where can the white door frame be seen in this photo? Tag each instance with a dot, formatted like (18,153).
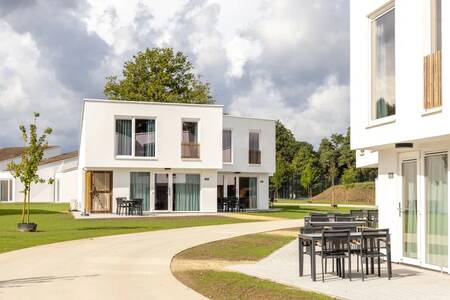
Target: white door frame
(405,157)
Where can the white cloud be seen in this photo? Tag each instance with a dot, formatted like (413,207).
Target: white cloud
(240,50)
(326,110)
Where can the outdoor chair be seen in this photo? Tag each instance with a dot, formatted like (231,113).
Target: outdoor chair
(232,203)
(121,204)
(372,218)
(373,242)
(336,246)
(344,218)
(240,205)
(357,214)
(318,218)
(137,206)
(220,204)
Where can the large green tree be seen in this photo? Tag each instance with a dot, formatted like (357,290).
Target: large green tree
(159,75)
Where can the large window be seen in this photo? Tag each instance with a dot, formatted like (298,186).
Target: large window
(436,188)
(248,191)
(145,137)
(140,142)
(227,150)
(436,32)
(123,137)
(254,154)
(140,188)
(5,190)
(383,65)
(189,141)
(186,192)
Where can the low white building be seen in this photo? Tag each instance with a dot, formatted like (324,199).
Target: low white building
(176,157)
(400,119)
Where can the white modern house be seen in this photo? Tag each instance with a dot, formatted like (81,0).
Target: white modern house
(176,157)
(400,119)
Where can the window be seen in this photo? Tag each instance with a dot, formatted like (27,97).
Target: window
(123,137)
(383,65)
(5,190)
(145,137)
(248,191)
(189,141)
(227,151)
(186,192)
(254,155)
(141,131)
(436,33)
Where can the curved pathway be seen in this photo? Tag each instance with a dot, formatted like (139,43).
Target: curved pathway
(131,266)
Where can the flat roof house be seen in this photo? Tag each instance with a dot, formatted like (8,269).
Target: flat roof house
(176,157)
(400,120)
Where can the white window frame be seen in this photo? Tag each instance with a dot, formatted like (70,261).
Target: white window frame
(232,147)
(372,17)
(133,137)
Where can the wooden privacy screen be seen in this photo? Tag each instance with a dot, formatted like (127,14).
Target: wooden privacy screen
(87,189)
(432,71)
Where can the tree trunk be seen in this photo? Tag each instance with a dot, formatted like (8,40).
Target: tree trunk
(24,204)
(332,190)
(28,210)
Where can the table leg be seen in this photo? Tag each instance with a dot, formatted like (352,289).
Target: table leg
(300,256)
(313,260)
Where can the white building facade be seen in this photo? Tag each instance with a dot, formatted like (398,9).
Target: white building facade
(400,120)
(176,157)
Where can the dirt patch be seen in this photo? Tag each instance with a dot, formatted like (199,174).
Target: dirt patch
(252,217)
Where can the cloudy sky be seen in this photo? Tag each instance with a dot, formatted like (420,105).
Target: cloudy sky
(284,59)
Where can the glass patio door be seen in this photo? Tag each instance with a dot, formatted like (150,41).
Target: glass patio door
(436,215)
(161,191)
(409,209)
(140,188)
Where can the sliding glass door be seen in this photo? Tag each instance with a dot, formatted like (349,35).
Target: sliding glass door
(186,192)
(248,191)
(162,191)
(140,188)
(436,230)
(409,208)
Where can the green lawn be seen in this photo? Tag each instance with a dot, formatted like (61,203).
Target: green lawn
(223,284)
(251,247)
(56,224)
(298,212)
(233,285)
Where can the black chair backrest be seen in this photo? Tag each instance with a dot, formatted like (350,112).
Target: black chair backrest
(333,240)
(374,233)
(310,229)
(319,218)
(357,214)
(372,215)
(344,218)
(349,228)
(119,200)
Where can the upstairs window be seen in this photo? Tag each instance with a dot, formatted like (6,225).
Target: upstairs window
(123,137)
(254,154)
(383,64)
(135,137)
(226,146)
(145,137)
(189,141)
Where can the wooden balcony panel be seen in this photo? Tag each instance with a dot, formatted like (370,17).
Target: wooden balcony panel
(190,150)
(432,68)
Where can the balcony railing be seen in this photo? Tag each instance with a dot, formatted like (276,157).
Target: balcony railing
(432,74)
(190,150)
(254,157)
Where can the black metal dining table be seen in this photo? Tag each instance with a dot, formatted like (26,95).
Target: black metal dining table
(313,238)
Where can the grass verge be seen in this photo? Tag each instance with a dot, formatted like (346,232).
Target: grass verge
(56,224)
(202,268)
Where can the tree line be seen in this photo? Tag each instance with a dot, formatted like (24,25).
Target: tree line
(315,170)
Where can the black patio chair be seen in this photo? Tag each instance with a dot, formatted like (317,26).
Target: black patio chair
(318,218)
(240,205)
(336,246)
(121,205)
(232,203)
(375,243)
(220,204)
(372,218)
(357,214)
(137,206)
(344,218)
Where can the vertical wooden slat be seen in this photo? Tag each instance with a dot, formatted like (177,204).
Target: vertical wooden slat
(87,195)
(432,68)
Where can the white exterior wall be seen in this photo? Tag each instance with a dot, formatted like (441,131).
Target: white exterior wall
(429,131)
(240,128)
(98,134)
(412,44)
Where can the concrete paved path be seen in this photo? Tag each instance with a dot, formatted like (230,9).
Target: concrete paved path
(132,266)
(408,283)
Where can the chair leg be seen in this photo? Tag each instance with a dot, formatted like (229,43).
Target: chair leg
(379,268)
(357,263)
(362,268)
(323,275)
(326,265)
(343,268)
(332,265)
(350,266)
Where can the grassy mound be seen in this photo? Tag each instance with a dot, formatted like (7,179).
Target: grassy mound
(356,193)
